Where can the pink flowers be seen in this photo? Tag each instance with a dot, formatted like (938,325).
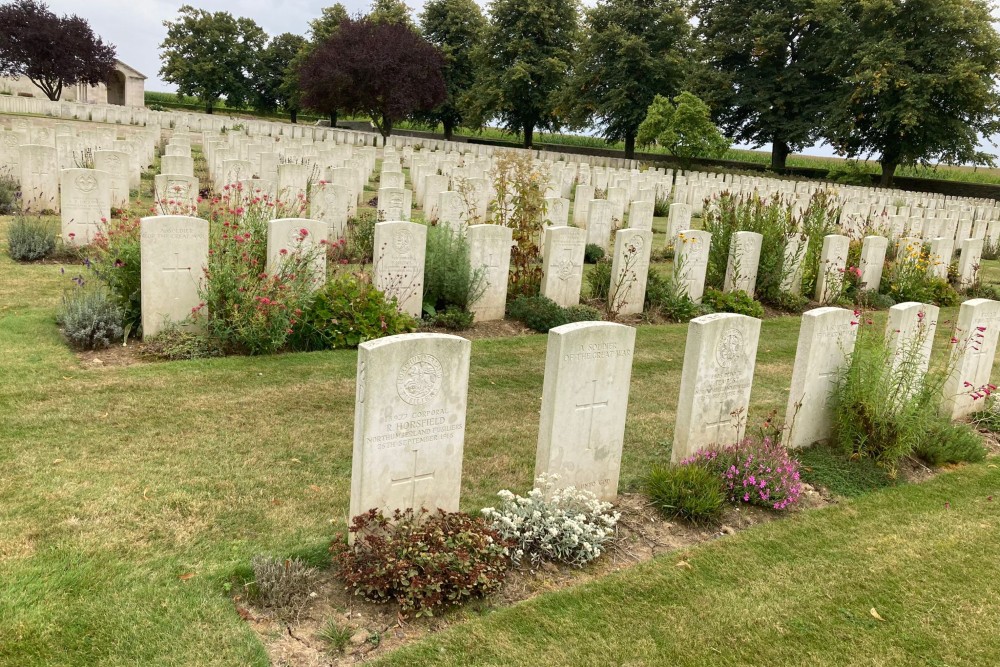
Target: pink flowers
(756,472)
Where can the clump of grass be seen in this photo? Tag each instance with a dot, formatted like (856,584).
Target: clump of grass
(823,466)
(336,636)
(690,492)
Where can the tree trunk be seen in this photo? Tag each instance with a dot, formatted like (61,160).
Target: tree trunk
(386,129)
(333,119)
(449,130)
(888,171)
(529,134)
(779,154)
(294,113)
(209,108)
(630,145)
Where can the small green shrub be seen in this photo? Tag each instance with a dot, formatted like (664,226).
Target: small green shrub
(281,585)
(593,253)
(581,313)
(789,303)
(690,492)
(872,300)
(454,318)
(947,442)
(345,313)
(360,237)
(667,297)
(89,318)
(30,238)
(449,279)
(599,280)
(661,207)
(422,560)
(537,312)
(116,259)
(10,193)
(738,302)
(988,419)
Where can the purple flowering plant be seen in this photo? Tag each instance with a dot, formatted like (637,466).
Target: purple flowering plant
(755,472)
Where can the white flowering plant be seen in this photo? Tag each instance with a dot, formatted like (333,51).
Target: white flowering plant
(564,525)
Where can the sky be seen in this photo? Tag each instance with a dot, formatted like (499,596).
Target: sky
(135,27)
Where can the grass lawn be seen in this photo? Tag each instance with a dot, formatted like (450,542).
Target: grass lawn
(130,495)
(797,592)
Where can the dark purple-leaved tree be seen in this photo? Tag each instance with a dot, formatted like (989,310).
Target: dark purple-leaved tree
(52,51)
(385,71)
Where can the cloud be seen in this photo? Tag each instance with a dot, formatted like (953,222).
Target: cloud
(136,29)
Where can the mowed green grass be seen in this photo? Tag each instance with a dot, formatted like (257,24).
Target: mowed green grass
(789,593)
(129,496)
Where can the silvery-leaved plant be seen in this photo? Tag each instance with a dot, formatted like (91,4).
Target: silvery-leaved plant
(566,525)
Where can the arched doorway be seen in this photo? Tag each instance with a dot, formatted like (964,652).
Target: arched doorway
(116,88)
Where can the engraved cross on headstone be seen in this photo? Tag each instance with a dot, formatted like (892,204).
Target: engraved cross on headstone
(588,410)
(724,419)
(413,479)
(175,268)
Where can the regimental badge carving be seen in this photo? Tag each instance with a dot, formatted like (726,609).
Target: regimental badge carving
(178,189)
(10,139)
(115,162)
(419,380)
(638,243)
(731,348)
(86,183)
(564,269)
(401,242)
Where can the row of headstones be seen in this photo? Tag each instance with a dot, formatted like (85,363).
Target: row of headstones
(412,396)
(185,122)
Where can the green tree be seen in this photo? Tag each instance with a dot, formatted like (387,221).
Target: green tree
(765,71)
(917,81)
(683,127)
(393,12)
(456,27)
(275,82)
(525,57)
(322,28)
(209,55)
(632,51)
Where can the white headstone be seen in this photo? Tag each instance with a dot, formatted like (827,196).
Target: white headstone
(562,268)
(409,423)
(489,249)
(175,194)
(941,250)
(400,250)
(39,177)
(678,219)
(86,204)
(174,254)
(793,266)
(826,341)
(691,248)
(744,257)
(290,237)
(832,263)
(599,223)
(872,260)
(969,262)
(909,332)
(640,215)
(629,270)
(971,356)
(588,370)
(115,164)
(719,361)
